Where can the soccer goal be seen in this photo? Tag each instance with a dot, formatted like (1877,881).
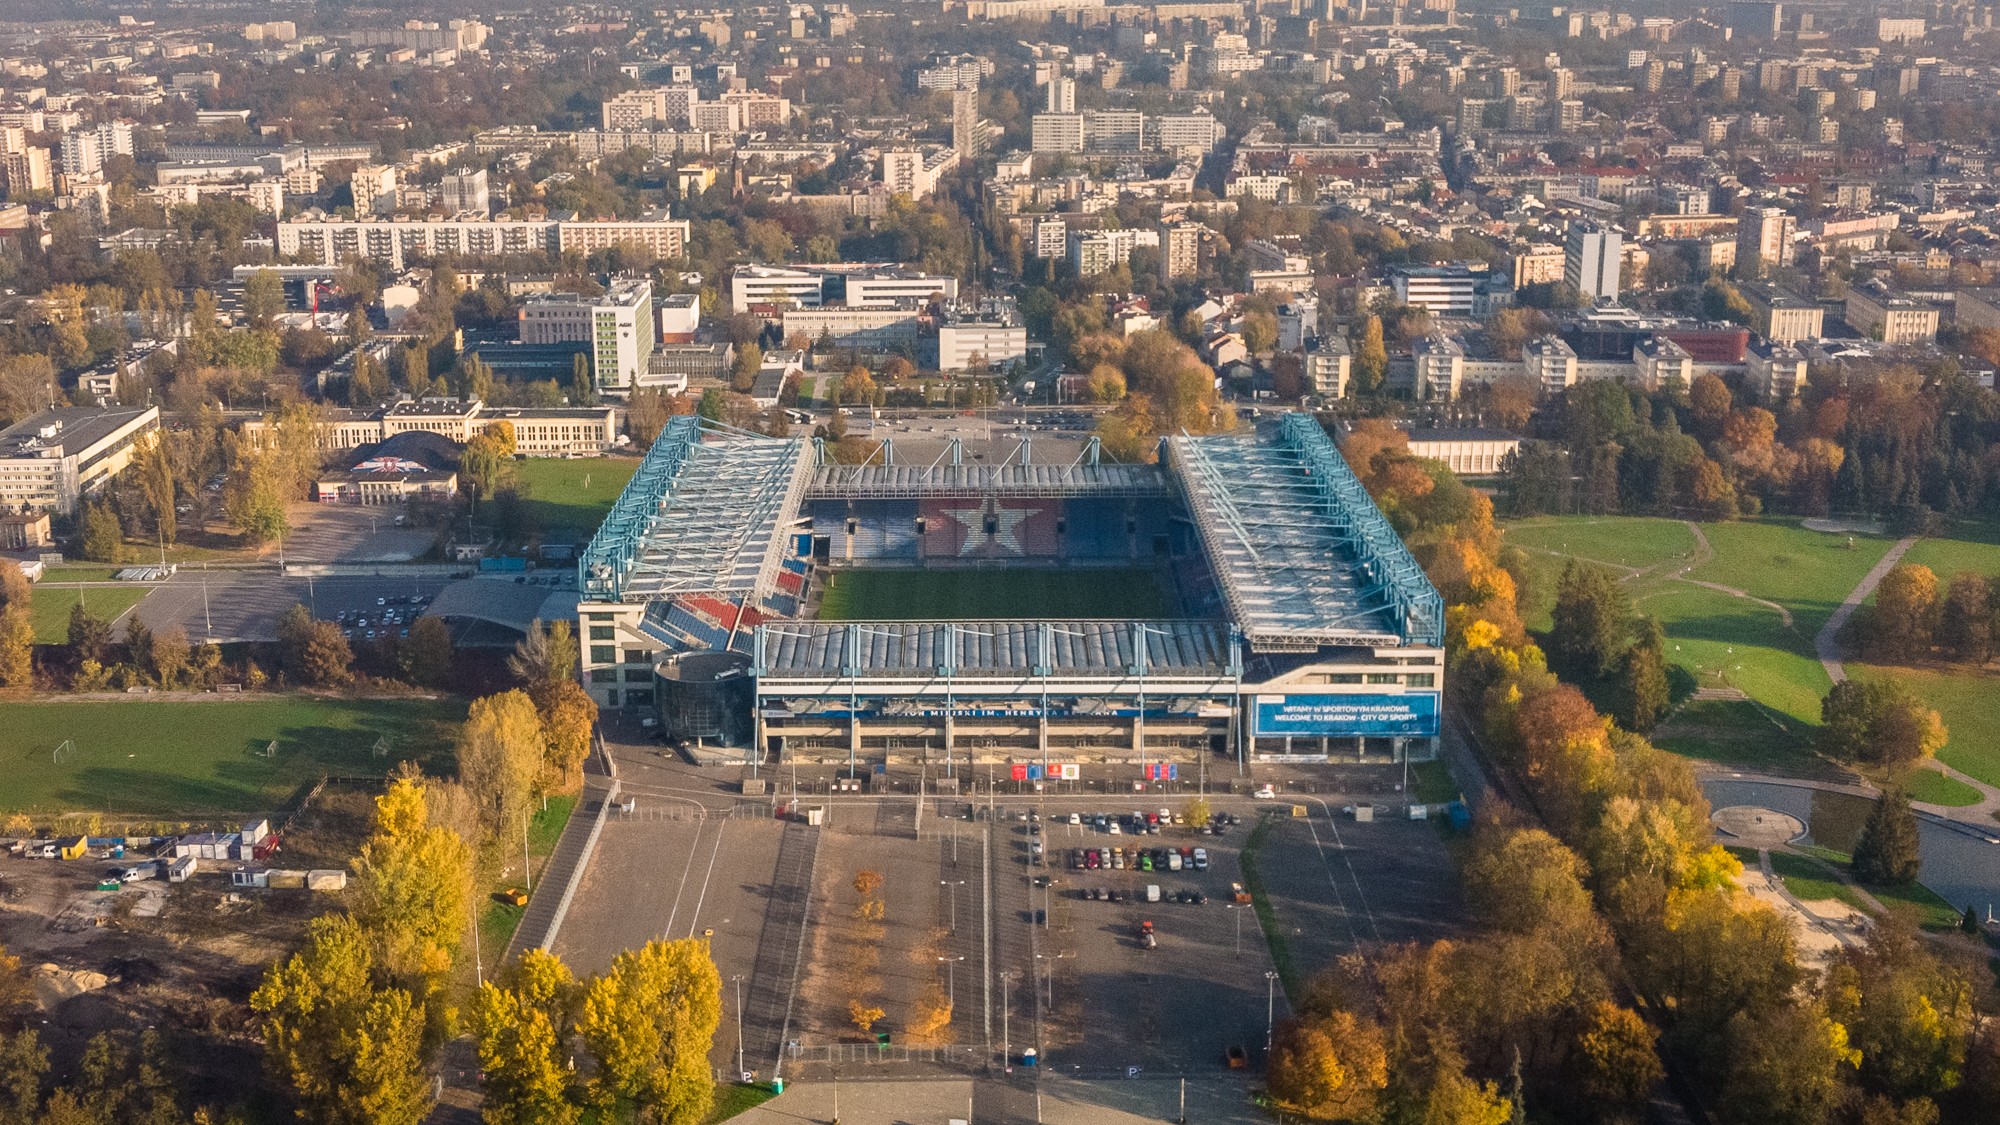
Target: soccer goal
(64,749)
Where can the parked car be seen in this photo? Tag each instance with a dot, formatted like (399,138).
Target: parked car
(1201,859)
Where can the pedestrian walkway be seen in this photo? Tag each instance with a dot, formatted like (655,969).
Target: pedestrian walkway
(1827,644)
(1827,647)
(565,867)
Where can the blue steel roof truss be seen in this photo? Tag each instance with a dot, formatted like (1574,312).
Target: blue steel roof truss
(1303,555)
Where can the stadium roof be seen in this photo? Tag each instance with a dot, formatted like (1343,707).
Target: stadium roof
(502,601)
(928,649)
(907,481)
(707,511)
(1303,555)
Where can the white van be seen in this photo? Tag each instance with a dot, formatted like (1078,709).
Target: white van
(1152,892)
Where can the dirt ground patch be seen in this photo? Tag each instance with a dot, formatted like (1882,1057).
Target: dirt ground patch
(883,957)
(180,958)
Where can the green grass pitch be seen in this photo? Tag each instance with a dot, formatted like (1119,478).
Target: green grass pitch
(195,760)
(930,595)
(573,494)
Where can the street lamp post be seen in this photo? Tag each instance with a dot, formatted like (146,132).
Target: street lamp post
(1270,1008)
(951,979)
(738,979)
(1006,1041)
(953,896)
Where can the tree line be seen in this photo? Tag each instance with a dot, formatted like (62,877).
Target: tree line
(1906,445)
(1614,931)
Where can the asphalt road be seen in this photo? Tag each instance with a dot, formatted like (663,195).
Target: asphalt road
(245,605)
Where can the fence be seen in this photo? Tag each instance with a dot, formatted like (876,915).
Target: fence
(869,1054)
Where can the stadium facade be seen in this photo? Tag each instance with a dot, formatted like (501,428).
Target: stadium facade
(1301,627)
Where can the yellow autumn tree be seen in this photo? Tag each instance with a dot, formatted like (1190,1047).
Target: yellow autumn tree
(500,755)
(413,883)
(649,1023)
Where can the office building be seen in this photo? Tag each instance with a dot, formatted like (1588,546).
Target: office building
(968,129)
(1754,19)
(1892,319)
(618,326)
(993,335)
(1056,132)
(1591,255)
(1782,317)
(1442,290)
(52,460)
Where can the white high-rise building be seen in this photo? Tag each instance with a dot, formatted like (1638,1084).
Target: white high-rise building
(374,188)
(1591,258)
(82,154)
(618,327)
(1056,132)
(465,190)
(1060,95)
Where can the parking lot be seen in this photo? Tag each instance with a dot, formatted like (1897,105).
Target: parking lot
(245,605)
(1034,955)
(342,533)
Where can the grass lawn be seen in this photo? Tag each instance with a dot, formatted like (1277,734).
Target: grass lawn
(498,920)
(202,760)
(1934,788)
(1735,641)
(1731,732)
(1810,881)
(734,1098)
(572,494)
(1974,545)
(1969,701)
(1431,784)
(1919,905)
(1267,919)
(919,595)
(52,607)
(1807,572)
(81,572)
(1628,541)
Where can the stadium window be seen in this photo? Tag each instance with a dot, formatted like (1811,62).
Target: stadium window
(1420,679)
(603,633)
(1384,678)
(638,675)
(611,698)
(853,526)
(1343,678)
(1062,525)
(604,654)
(992,524)
(921,523)
(604,675)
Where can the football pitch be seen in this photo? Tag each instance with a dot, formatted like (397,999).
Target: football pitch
(932,595)
(199,759)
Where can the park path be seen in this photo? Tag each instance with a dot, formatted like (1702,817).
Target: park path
(1827,644)
(1827,647)
(1702,554)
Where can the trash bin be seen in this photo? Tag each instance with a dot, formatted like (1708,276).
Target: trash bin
(777,1085)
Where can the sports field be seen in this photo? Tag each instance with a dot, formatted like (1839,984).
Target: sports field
(929,595)
(204,759)
(572,494)
(52,606)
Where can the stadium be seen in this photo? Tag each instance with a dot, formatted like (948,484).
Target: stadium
(1242,599)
